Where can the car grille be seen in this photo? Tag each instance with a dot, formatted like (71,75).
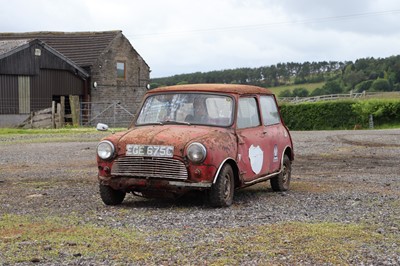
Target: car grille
(150,167)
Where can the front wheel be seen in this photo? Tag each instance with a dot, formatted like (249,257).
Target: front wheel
(221,193)
(111,196)
(281,182)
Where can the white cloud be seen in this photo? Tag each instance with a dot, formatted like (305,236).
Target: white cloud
(179,36)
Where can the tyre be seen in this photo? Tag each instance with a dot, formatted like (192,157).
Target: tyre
(111,196)
(221,193)
(281,182)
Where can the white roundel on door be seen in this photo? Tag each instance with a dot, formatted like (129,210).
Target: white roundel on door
(256,156)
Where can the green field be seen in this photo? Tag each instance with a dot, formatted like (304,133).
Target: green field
(309,86)
(66,130)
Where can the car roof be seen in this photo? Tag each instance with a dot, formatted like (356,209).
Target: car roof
(225,88)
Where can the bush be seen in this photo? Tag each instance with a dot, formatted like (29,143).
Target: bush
(332,87)
(300,92)
(319,116)
(300,80)
(340,114)
(285,93)
(381,85)
(318,92)
(363,86)
(384,111)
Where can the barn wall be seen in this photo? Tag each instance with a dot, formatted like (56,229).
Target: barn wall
(8,94)
(12,120)
(25,94)
(23,62)
(29,60)
(50,83)
(129,91)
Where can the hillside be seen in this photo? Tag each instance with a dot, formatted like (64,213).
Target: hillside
(366,74)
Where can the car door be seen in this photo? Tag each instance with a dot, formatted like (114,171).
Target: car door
(273,130)
(252,140)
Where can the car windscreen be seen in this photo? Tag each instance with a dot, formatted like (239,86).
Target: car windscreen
(187,108)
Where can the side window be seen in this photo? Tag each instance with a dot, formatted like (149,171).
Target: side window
(269,111)
(121,71)
(247,113)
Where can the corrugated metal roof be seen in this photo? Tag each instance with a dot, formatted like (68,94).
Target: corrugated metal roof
(9,45)
(81,47)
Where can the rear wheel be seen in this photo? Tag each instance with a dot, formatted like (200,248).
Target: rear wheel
(221,193)
(281,182)
(111,196)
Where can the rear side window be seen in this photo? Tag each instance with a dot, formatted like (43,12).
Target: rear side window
(248,113)
(269,111)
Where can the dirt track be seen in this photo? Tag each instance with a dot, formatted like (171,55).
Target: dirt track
(338,176)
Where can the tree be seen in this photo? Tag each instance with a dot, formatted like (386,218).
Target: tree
(363,86)
(318,92)
(352,78)
(285,93)
(381,85)
(332,87)
(300,92)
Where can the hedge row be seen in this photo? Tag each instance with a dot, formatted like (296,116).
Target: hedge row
(340,114)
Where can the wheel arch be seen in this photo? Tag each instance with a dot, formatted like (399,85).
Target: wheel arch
(289,152)
(235,169)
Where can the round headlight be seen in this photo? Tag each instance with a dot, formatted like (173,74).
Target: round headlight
(196,152)
(105,149)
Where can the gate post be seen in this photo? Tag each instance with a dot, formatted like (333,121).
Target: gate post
(371,121)
(75,109)
(115,110)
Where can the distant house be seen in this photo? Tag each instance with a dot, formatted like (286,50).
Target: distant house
(39,67)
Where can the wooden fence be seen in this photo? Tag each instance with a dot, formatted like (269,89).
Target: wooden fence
(350,95)
(55,116)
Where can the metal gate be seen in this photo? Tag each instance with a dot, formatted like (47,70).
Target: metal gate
(112,114)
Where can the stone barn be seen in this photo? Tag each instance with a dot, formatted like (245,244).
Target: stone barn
(102,68)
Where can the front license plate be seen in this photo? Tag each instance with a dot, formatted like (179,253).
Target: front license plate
(149,150)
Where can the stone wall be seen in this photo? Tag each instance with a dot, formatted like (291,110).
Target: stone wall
(127,92)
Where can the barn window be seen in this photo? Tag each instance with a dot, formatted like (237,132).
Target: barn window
(121,70)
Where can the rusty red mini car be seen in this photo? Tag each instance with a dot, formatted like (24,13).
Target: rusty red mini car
(214,138)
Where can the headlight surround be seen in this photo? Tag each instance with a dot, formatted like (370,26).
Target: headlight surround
(105,149)
(196,152)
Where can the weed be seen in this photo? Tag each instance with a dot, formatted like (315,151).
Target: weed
(23,238)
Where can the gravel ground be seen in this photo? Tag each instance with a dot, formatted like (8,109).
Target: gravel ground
(338,176)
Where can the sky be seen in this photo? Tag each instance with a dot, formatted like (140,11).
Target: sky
(186,36)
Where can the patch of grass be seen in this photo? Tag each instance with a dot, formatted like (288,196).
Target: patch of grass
(387,126)
(24,238)
(14,135)
(384,95)
(9,136)
(310,186)
(39,184)
(61,131)
(11,131)
(319,243)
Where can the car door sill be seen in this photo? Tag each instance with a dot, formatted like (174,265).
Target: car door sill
(262,178)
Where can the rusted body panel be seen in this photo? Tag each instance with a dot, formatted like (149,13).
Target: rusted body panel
(221,143)
(235,89)
(163,154)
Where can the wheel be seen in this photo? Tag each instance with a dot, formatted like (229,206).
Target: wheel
(221,193)
(281,182)
(111,196)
